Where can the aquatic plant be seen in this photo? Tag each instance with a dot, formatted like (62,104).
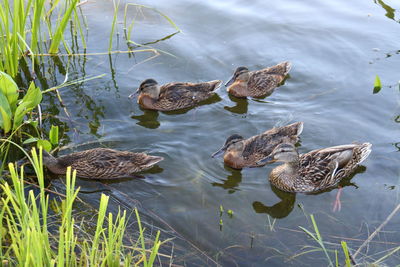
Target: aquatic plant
(12,108)
(26,26)
(350,259)
(377,85)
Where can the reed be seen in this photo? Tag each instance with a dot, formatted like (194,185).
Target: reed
(22,20)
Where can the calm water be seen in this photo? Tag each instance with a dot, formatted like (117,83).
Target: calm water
(336,49)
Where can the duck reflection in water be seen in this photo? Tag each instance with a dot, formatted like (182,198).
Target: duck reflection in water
(284,207)
(241,105)
(280,209)
(232,182)
(148,119)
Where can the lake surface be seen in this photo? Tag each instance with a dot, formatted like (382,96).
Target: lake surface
(336,48)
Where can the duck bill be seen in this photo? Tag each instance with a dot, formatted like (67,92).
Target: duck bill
(230,81)
(265,160)
(219,152)
(135,94)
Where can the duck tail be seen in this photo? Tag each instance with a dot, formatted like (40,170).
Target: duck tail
(149,161)
(295,128)
(288,67)
(214,85)
(300,126)
(364,150)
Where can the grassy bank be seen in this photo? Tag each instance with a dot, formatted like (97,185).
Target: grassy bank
(25,238)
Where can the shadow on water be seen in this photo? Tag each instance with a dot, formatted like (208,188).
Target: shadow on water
(232,181)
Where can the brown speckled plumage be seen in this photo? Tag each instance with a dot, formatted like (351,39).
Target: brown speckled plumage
(317,170)
(241,153)
(174,96)
(101,163)
(258,83)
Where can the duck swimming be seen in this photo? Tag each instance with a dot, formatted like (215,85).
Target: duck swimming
(257,83)
(173,96)
(101,163)
(316,170)
(240,153)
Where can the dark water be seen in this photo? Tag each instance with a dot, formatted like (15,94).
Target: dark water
(336,50)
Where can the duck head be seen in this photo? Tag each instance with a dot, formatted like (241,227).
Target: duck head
(240,74)
(148,87)
(50,162)
(232,144)
(285,152)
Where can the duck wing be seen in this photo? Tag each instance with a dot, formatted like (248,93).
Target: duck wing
(326,167)
(262,145)
(103,163)
(263,82)
(182,95)
(316,170)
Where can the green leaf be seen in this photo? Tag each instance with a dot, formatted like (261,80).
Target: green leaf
(10,89)
(6,107)
(377,85)
(45,144)
(22,109)
(32,123)
(6,121)
(34,95)
(31,140)
(53,135)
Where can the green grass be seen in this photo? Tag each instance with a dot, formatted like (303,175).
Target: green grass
(344,257)
(25,239)
(317,237)
(22,20)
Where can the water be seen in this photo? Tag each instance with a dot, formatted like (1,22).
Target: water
(336,50)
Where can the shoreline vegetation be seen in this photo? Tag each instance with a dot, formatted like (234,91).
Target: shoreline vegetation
(38,231)
(26,239)
(32,34)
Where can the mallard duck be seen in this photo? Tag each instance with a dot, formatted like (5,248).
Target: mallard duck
(257,83)
(173,96)
(101,163)
(316,170)
(240,152)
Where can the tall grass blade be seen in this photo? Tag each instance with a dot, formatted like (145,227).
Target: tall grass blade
(346,254)
(116,6)
(59,32)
